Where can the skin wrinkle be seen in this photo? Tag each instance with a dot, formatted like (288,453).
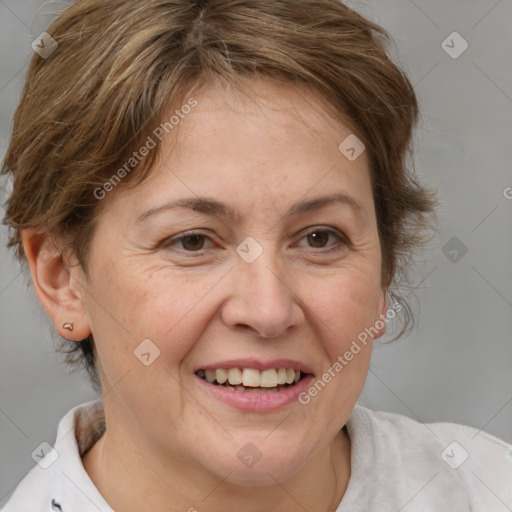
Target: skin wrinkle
(261,79)
(352,297)
(350,71)
(166,438)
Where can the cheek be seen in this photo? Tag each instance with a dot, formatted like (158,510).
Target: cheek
(346,305)
(164,307)
(146,305)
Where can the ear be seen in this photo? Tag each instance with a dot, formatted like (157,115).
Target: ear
(383,308)
(58,285)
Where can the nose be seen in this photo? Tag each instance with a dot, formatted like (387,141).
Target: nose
(262,298)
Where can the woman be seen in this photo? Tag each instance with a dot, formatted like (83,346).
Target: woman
(216,213)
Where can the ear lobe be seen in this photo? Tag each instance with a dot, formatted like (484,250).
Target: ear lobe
(53,283)
(384,303)
(383,308)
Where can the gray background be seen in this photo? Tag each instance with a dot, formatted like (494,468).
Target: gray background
(456,366)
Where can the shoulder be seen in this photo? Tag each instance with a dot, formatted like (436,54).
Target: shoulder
(58,481)
(34,492)
(445,457)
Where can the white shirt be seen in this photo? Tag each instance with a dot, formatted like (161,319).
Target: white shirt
(398,464)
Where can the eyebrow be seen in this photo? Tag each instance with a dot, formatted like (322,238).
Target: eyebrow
(213,207)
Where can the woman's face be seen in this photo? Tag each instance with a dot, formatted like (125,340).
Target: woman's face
(263,274)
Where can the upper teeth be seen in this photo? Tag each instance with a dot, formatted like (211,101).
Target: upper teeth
(251,377)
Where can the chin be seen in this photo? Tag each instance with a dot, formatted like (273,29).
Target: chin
(264,472)
(256,461)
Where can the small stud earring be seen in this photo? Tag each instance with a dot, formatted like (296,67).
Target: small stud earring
(68,326)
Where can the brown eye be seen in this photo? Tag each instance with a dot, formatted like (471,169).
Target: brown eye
(188,242)
(318,239)
(192,242)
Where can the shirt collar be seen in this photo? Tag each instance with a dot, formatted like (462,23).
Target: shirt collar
(74,490)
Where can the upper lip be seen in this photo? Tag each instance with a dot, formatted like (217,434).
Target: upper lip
(257,364)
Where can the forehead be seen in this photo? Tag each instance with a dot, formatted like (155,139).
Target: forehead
(264,108)
(272,144)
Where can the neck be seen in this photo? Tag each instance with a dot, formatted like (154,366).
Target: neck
(130,480)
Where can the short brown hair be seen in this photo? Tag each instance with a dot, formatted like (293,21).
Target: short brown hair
(120,64)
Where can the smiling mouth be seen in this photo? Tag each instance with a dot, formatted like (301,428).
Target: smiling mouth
(251,380)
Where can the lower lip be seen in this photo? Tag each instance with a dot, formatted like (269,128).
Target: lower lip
(257,402)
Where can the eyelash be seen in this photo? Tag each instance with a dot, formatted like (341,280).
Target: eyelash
(342,238)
